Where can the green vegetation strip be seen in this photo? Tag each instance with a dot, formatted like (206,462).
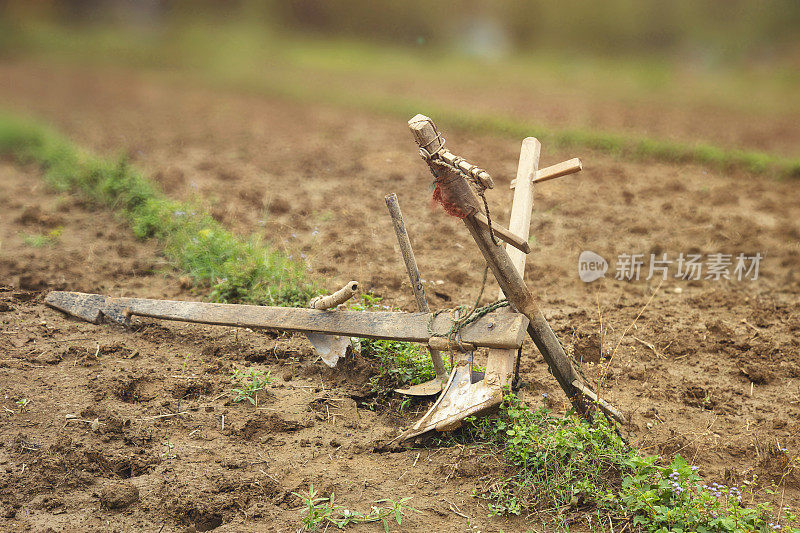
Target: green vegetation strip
(571,469)
(234,269)
(617,144)
(634,147)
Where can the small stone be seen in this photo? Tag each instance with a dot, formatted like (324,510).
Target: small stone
(4,307)
(287,376)
(119,495)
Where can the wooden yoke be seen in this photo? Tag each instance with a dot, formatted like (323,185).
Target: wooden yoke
(510,280)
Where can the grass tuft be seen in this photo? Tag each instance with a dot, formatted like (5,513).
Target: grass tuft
(322,512)
(558,465)
(234,269)
(247,384)
(399,363)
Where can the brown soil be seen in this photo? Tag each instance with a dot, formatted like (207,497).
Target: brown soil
(721,387)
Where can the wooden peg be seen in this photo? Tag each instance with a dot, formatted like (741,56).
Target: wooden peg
(555,171)
(504,234)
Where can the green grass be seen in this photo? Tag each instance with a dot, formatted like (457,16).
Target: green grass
(248,57)
(621,145)
(399,363)
(322,512)
(560,467)
(232,268)
(248,383)
(40,240)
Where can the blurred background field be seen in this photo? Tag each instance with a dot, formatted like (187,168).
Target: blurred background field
(713,82)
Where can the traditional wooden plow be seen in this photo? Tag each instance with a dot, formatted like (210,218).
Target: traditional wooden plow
(500,326)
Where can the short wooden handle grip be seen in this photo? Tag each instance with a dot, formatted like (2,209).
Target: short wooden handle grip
(431,143)
(560,169)
(555,171)
(337,298)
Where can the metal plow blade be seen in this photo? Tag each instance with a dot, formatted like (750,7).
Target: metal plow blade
(467,393)
(330,348)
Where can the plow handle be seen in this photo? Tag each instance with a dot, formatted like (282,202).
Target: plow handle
(413,271)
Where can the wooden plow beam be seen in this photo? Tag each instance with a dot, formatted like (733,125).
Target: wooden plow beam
(465,394)
(494,330)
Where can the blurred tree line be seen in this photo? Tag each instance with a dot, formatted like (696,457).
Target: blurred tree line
(713,30)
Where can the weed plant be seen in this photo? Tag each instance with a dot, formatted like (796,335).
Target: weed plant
(40,240)
(320,512)
(556,465)
(399,363)
(248,383)
(234,269)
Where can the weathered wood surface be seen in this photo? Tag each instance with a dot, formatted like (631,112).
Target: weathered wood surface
(442,343)
(413,273)
(504,234)
(495,330)
(432,143)
(522,205)
(564,168)
(500,363)
(523,301)
(337,298)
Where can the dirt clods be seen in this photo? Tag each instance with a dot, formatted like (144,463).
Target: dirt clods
(118,494)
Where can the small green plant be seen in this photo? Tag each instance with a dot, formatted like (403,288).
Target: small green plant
(40,240)
(405,403)
(399,363)
(167,452)
(675,497)
(23,404)
(321,511)
(554,464)
(247,385)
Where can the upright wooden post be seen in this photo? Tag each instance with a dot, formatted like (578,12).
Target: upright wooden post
(501,362)
(522,205)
